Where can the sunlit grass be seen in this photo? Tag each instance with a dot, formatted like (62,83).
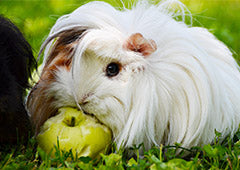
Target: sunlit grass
(224,155)
(36,17)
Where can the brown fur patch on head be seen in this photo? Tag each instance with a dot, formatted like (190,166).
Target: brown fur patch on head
(41,102)
(137,43)
(61,56)
(62,52)
(65,44)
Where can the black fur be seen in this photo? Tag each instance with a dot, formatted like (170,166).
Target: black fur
(16,64)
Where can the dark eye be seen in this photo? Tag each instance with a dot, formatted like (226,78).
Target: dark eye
(112,69)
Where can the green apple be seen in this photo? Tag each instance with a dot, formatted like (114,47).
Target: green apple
(74,130)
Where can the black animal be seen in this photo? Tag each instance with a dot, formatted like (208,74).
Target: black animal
(16,64)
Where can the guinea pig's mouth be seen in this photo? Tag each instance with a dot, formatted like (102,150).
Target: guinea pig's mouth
(91,115)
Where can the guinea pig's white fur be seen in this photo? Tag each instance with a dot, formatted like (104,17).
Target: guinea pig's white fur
(182,92)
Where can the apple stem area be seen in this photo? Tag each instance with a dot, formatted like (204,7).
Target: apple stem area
(72,122)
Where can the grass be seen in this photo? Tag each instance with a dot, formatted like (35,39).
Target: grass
(224,155)
(35,18)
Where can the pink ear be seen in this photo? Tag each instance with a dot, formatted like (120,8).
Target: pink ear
(137,43)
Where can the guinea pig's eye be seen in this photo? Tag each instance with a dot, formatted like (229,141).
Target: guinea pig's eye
(112,69)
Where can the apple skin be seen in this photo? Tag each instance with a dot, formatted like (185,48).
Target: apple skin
(74,130)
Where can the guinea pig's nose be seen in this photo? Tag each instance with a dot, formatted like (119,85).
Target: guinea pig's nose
(85,98)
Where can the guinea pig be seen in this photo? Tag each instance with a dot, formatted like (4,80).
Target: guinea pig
(150,78)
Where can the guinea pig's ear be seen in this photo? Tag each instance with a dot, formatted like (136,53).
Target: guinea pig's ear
(41,100)
(137,43)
